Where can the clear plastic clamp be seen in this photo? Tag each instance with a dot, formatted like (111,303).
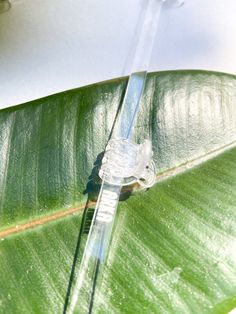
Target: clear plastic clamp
(125,163)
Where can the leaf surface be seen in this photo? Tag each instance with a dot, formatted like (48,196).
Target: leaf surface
(173,247)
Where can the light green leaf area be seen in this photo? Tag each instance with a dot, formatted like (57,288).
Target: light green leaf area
(173,247)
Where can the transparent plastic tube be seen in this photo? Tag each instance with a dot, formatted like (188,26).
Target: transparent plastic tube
(93,261)
(96,249)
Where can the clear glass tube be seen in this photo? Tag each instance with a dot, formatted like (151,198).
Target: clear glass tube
(96,249)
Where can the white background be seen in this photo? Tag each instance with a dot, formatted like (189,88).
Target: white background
(47,46)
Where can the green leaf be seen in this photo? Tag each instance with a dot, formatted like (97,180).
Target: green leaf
(173,248)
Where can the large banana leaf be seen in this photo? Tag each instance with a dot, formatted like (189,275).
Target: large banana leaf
(174,246)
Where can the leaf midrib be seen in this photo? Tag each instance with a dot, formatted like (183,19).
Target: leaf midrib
(22,227)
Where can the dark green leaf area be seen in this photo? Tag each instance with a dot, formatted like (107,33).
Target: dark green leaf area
(174,247)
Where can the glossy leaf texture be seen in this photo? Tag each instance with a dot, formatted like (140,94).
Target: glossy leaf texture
(173,248)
